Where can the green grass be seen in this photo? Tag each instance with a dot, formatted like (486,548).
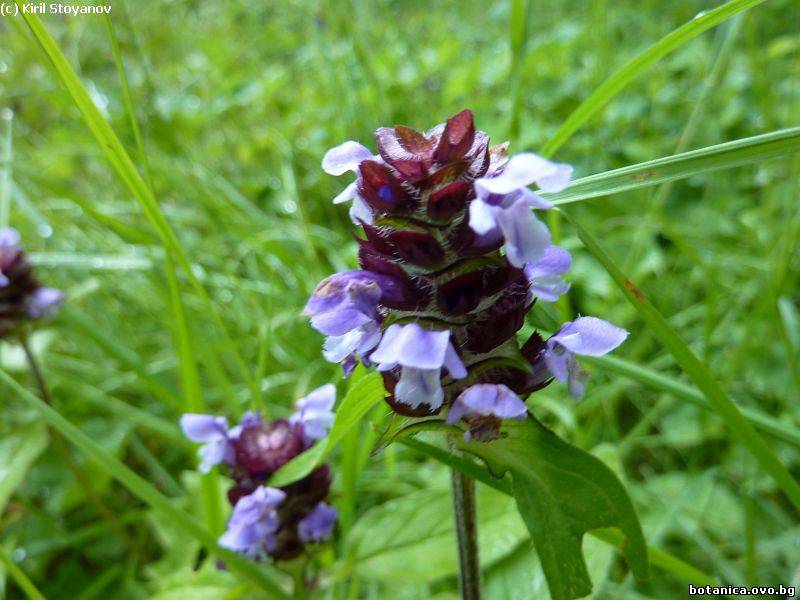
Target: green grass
(164,170)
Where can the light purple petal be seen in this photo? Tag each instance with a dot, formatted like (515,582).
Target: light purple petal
(344,157)
(314,412)
(317,525)
(347,193)
(44,302)
(359,341)
(412,346)
(488,399)
(555,261)
(524,169)
(9,237)
(3,280)
(340,322)
(526,237)
(590,336)
(419,386)
(204,428)
(360,212)
(213,453)
(481,217)
(576,379)
(548,288)
(533,200)
(556,359)
(453,364)
(252,526)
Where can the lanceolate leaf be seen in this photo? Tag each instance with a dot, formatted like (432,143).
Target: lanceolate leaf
(680,166)
(563,492)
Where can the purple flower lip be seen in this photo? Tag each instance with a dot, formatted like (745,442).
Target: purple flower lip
(252,527)
(421,354)
(487,400)
(317,526)
(212,432)
(585,335)
(314,413)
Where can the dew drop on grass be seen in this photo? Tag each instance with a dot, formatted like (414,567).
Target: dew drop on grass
(18,555)
(289,206)
(44,230)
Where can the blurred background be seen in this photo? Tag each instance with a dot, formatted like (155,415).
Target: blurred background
(237,103)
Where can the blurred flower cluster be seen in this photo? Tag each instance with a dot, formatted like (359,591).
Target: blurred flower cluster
(22,298)
(452,258)
(270,522)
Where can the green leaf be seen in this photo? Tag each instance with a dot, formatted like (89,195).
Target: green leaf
(300,466)
(365,391)
(562,492)
(18,451)
(411,538)
(680,166)
(658,558)
(742,429)
(606,91)
(145,491)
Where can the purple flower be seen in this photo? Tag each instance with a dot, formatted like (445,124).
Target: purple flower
(344,308)
(43,302)
(338,161)
(252,526)
(314,412)
(503,202)
(544,275)
(317,525)
(421,354)
(487,400)
(213,433)
(9,238)
(585,335)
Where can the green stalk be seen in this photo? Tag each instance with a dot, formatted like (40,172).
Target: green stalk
(463,488)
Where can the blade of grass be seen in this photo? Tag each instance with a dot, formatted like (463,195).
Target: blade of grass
(6,158)
(680,166)
(126,170)
(144,490)
(710,83)
(19,577)
(682,391)
(187,361)
(658,558)
(638,65)
(741,428)
(518,28)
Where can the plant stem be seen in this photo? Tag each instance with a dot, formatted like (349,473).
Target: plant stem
(467,534)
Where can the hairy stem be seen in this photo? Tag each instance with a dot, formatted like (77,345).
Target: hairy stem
(467,534)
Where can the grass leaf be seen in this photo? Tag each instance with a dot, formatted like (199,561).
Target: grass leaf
(680,166)
(741,428)
(145,491)
(606,91)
